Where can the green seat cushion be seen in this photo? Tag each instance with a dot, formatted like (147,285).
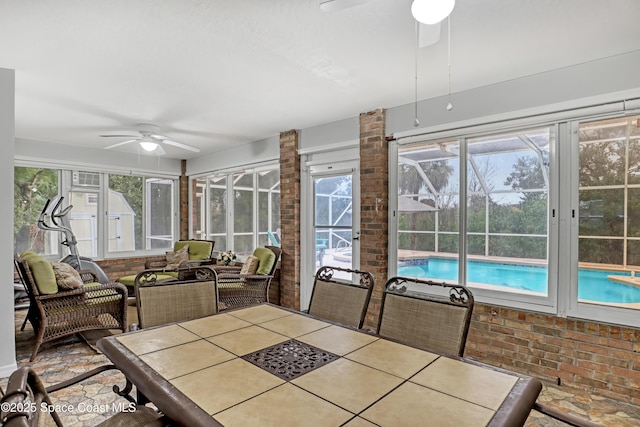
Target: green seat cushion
(92,284)
(197,250)
(130,280)
(267,259)
(42,272)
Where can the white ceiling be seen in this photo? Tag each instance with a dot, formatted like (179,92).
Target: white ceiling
(218,73)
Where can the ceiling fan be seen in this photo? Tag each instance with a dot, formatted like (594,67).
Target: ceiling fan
(150,140)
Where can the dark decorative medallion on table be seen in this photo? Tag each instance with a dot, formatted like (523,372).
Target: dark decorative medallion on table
(290,359)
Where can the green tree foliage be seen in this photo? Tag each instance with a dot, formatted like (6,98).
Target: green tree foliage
(32,187)
(131,188)
(410,182)
(528,216)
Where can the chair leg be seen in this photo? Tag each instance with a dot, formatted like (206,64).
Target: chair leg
(39,338)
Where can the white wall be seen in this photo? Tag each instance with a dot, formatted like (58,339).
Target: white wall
(93,159)
(255,152)
(597,82)
(7,322)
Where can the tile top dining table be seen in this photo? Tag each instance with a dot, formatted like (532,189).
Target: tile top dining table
(269,366)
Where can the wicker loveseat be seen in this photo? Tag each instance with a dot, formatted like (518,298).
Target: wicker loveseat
(55,312)
(199,253)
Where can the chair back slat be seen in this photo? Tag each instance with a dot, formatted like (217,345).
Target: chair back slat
(341,302)
(159,303)
(413,314)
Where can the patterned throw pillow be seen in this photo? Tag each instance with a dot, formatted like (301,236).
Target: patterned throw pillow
(174,259)
(66,276)
(250,265)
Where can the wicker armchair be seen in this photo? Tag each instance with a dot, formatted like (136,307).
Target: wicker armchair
(162,302)
(423,313)
(27,403)
(340,301)
(241,290)
(66,312)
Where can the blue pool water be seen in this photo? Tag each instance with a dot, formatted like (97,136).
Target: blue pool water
(593,284)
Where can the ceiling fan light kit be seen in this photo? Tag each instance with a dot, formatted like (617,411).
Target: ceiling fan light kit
(148,145)
(431,11)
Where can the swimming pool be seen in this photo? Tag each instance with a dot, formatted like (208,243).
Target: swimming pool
(593,284)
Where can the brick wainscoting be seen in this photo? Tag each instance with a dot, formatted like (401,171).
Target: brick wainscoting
(117,268)
(590,356)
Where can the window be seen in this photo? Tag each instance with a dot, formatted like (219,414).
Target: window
(608,224)
(32,188)
(244,209)
(542,218)
(139,211)
(503,180)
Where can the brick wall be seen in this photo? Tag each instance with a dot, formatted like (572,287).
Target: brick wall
(590,356)
(374,217)
(184,202)
(594,357)
(290,220)
(116,268)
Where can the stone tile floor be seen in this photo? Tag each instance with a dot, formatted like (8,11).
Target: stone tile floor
(67,357)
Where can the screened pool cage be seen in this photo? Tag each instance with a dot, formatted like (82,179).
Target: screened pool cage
(333,217)
(502,193)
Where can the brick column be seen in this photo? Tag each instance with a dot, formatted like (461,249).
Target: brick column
(290,220)
(374,216)
(184,202)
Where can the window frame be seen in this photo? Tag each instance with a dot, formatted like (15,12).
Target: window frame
(546,304)
(203,200)
(66,186)
(563,200)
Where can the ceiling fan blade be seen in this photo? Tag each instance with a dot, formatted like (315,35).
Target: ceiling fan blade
(120,143)
(120,136)
(159,151)
(180,145)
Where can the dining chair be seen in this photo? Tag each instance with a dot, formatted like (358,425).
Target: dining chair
(160,302)
(428,314)
(27,403)
(341,301)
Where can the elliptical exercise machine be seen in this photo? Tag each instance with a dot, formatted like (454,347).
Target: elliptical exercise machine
(54,218)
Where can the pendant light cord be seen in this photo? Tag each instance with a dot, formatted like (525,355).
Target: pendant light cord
(449,105)
(416,122)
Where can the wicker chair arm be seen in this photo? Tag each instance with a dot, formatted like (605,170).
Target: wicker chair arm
(117,287)
(252,277)
(227,269)
(61,294)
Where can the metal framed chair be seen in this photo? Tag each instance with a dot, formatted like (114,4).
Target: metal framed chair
(162,302)
(241,290)
(340,301)
(428,314)
(27,403)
